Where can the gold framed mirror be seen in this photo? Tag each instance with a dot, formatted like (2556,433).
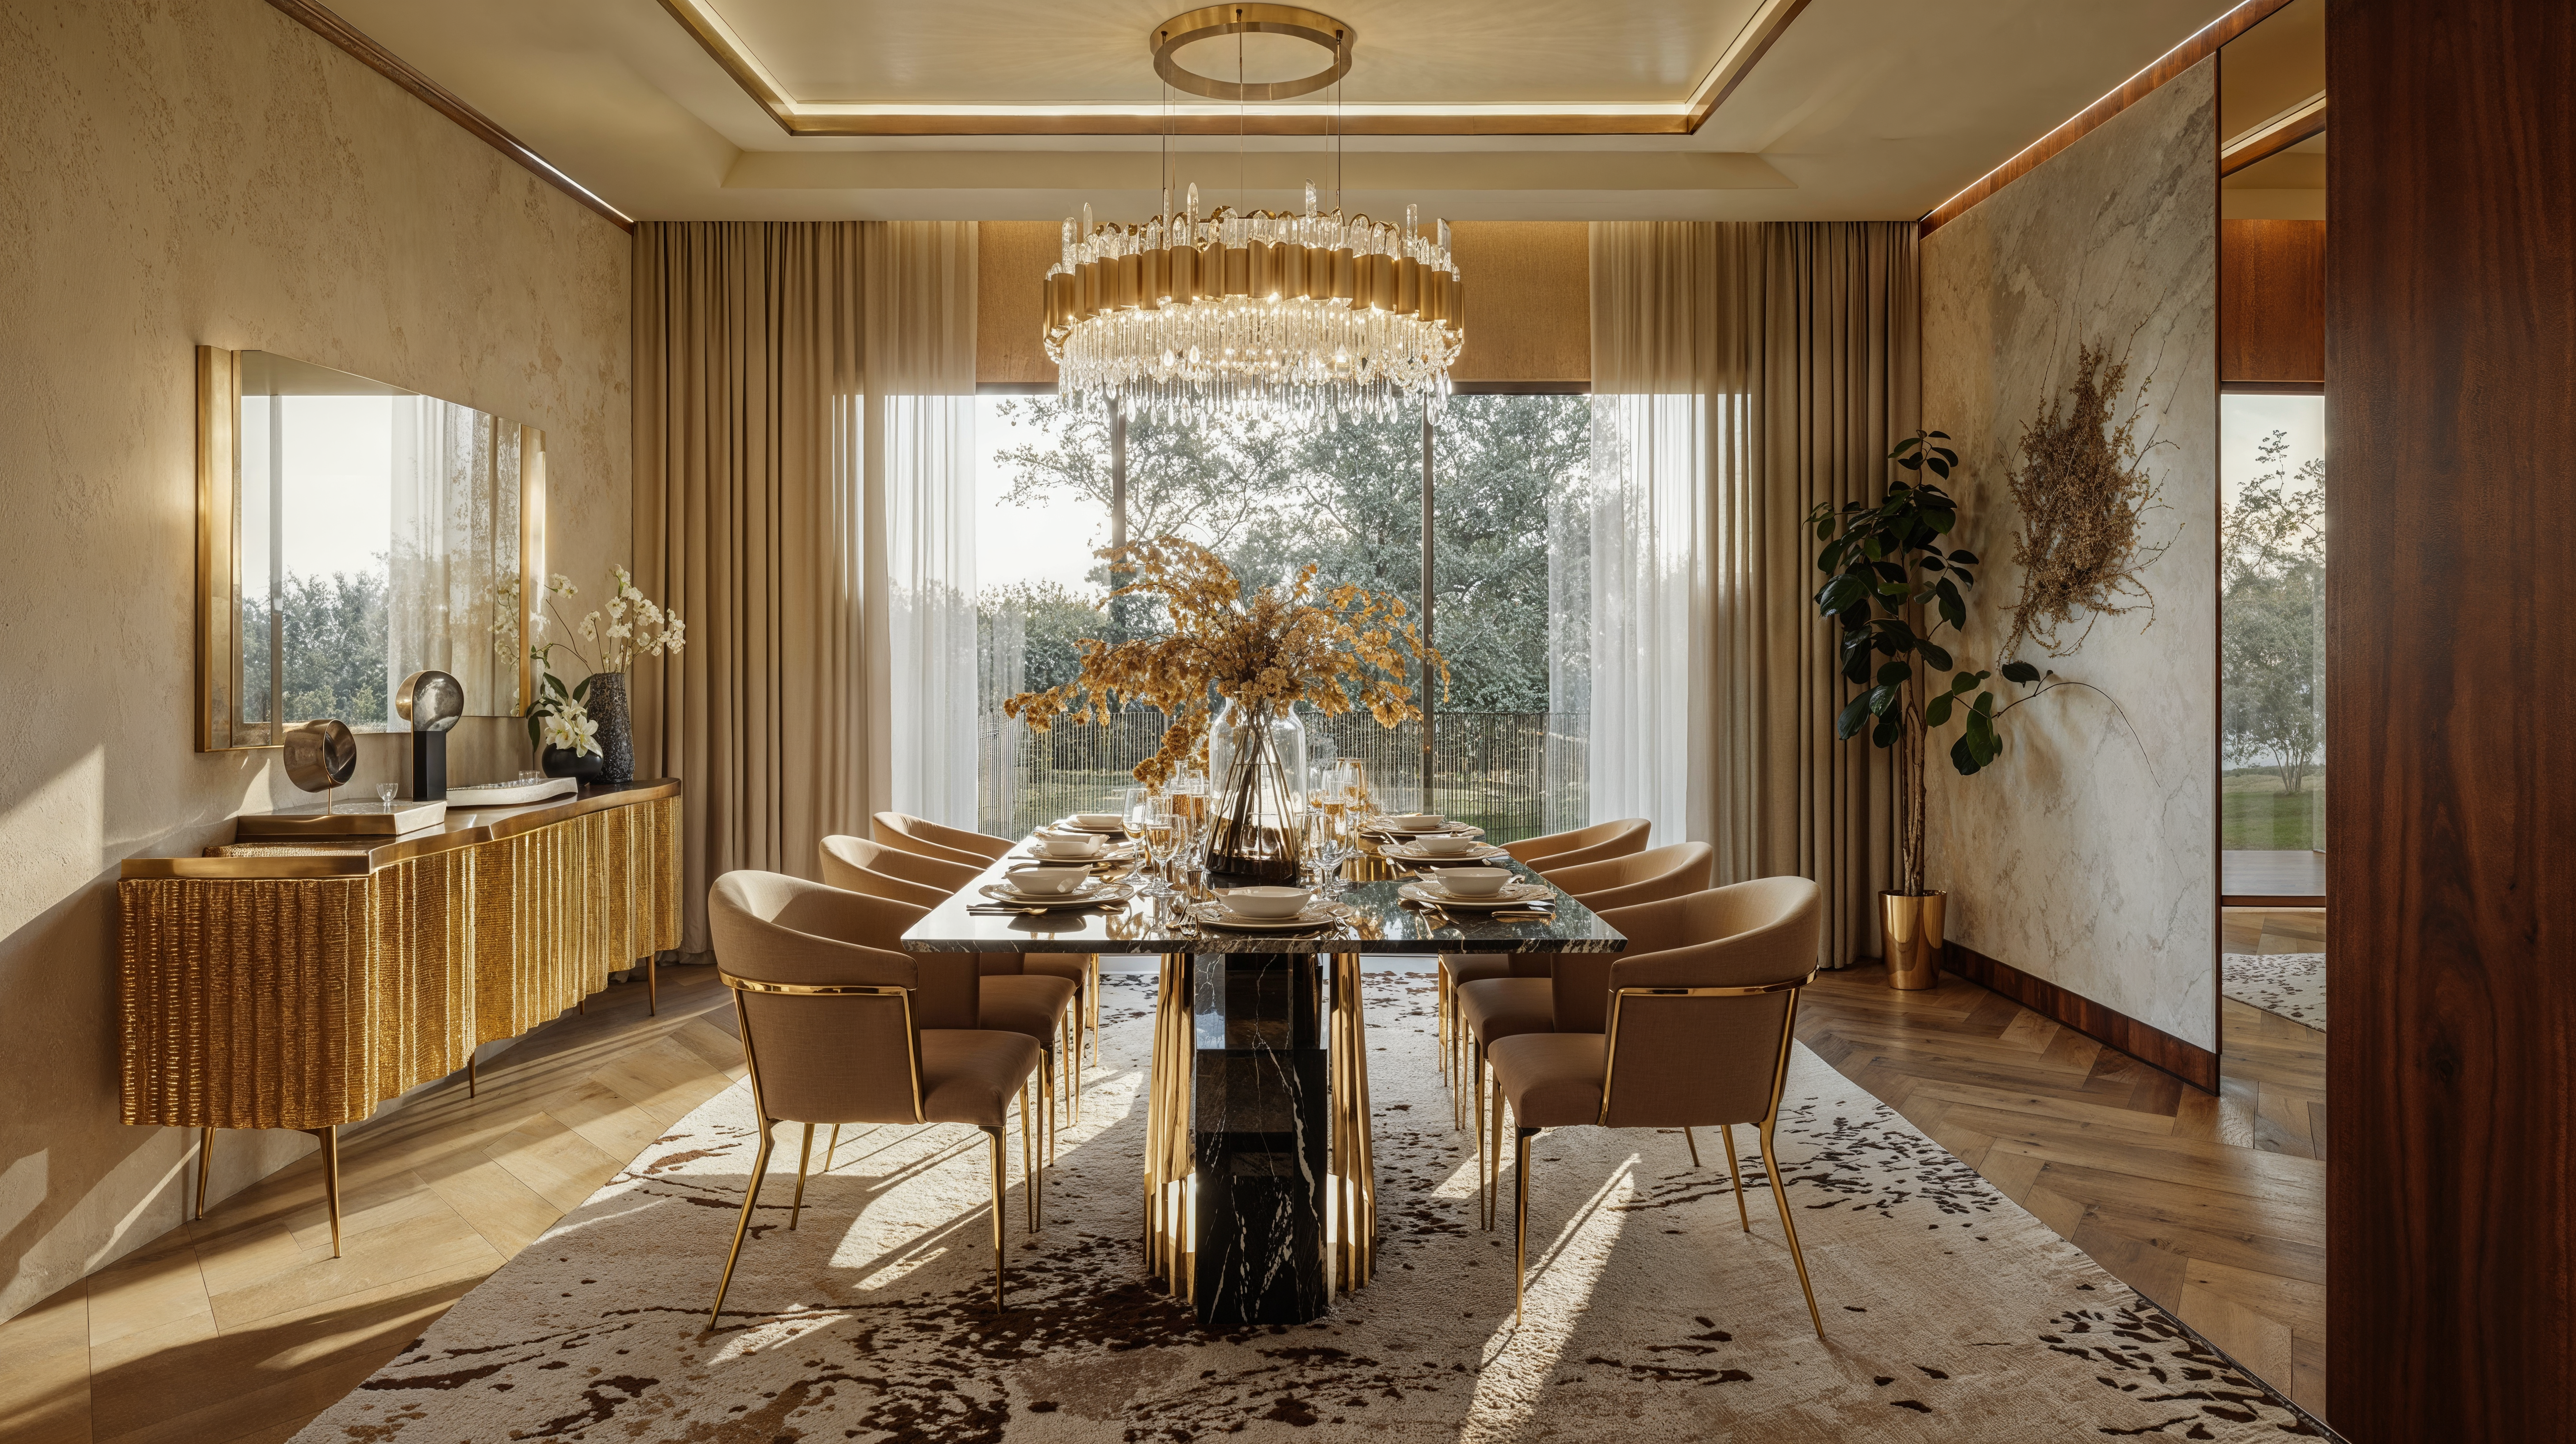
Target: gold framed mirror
(351,533)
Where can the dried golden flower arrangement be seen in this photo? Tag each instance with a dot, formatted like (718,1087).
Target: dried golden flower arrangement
(1269,651)
(2080,479)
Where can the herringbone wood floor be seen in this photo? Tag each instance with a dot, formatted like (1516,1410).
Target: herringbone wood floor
(242,1327)
(2212,1206)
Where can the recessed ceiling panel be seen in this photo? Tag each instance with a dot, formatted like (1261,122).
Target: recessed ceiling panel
(1436,52)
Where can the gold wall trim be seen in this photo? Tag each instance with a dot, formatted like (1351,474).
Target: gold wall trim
(303,1002)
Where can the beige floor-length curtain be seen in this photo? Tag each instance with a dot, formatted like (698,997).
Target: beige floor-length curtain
(762,458)
(1742,373)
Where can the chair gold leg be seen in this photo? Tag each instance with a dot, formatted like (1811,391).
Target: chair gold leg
(1440,1019)
(331,1180)
(831,1148)
(1028,1151)
(1520,1224)
(1771,1166)
(1048,1083)
(804,1155)
(1484,1207)
(205,1165)
(1494,1109)
(750,1200)
(1045,1149)
(1694,1147)
(1727,1131)
(995,1135)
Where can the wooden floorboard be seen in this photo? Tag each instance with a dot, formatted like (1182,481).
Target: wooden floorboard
(241,1327)
(2212,1205)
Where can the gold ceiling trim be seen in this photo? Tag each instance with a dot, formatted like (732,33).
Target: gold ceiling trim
(1681,117)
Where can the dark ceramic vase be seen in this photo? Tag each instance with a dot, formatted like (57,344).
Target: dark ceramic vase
(581,767)
(605,698)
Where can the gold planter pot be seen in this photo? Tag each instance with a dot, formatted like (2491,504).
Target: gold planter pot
(1909,936)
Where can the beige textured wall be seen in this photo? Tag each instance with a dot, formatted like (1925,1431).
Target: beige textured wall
(170,175)
(2088,854)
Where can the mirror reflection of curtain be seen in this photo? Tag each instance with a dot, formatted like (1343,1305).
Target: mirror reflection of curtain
(1742,373)
(455,533)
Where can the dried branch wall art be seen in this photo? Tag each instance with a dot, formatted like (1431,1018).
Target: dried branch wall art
(2079,476)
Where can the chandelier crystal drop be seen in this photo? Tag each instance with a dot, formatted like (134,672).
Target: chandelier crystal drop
(1316,315)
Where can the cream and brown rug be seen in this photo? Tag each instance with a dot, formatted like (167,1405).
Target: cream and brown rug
(1953,1314)
(2290,984)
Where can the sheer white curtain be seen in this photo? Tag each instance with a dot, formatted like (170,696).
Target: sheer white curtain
(1742,374)
(919,304)
(1667,420)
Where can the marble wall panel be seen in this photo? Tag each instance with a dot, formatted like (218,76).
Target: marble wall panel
(2088,854)
(213,173)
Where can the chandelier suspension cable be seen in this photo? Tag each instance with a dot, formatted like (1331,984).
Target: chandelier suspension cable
(1311,315)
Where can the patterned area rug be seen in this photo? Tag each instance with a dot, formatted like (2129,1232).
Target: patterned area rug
(2290,984)
(1953,1314)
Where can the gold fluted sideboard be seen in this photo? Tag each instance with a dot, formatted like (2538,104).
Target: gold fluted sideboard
(299,985)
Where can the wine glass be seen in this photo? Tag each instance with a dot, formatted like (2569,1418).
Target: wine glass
(1155,827)
(385,794)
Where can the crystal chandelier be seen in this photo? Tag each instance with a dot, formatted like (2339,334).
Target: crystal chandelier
(1318,315)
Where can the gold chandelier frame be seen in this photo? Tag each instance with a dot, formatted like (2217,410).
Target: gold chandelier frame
(1211,21)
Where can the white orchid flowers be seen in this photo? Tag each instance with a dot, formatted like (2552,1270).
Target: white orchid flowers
(569,727)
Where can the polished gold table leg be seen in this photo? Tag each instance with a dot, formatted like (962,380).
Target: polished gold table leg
(331,1179)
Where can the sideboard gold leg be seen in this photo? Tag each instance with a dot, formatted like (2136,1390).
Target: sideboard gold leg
(331,1179)
(653,988)
(205,1165)
(469,1073)
(585,1005)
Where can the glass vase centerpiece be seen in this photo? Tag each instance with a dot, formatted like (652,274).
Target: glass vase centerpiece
(1228,670)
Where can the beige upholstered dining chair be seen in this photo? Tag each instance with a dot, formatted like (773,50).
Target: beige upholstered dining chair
(836,1032)
(926,882)
(951,844)
(1672,870)
(1692,1026)
(1008,996)
(1584,844)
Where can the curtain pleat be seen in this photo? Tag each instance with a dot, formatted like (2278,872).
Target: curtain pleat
(1743,372)
(760,517)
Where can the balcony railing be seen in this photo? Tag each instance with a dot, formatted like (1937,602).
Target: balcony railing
(1515,774)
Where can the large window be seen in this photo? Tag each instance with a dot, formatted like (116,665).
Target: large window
(2272,547)
(1508,543)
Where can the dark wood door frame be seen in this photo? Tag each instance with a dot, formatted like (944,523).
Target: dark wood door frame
(2451,301)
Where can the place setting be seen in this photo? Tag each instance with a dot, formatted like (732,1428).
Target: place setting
(1270,910)
(1408,827)
(1491,894)
(1070,847)
(1050,887)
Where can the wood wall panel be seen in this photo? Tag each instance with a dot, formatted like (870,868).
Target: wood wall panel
(2450,304)
(2272,301)
(1529,302)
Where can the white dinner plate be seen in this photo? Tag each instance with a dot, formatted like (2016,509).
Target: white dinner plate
(1455,829)
(1067,824)
(1315,915)
(1087,895)
(1412,852)
(1518,894)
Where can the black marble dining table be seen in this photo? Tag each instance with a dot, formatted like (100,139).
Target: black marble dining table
(1259,1191)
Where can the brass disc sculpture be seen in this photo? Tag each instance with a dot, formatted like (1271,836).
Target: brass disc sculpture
(430,701)
(320,756)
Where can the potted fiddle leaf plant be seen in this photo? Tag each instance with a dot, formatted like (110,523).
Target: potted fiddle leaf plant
(1894,589)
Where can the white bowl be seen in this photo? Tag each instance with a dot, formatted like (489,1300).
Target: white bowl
(1041,880)
(1416,821)
(1059,844)
(1100,821)
(1444,846)
(1268,902)
(1474,881)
